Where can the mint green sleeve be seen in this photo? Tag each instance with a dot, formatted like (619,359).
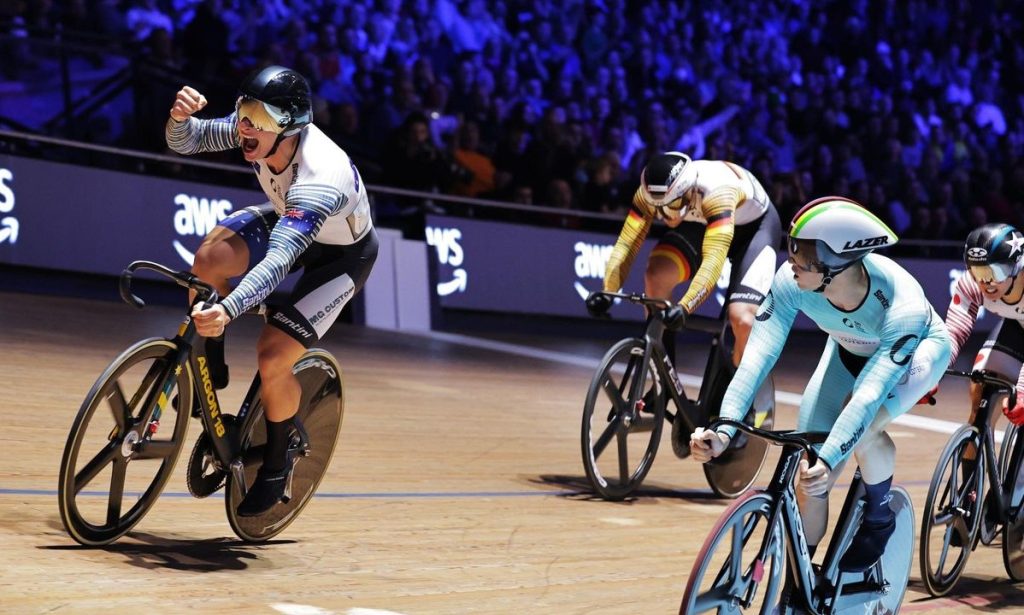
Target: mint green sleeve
(772,324)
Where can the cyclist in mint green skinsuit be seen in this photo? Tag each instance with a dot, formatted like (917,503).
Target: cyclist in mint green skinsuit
(887,347)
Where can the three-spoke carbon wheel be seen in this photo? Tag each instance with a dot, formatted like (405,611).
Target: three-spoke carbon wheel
(623,417)
(952,512)
(123,443)
(727,577)
(320,413)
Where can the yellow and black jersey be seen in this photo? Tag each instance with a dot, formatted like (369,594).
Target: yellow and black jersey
(724,195)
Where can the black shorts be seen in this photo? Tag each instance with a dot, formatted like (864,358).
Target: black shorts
(752,254)
(1003,351)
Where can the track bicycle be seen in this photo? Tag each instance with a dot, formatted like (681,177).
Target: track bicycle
(760,538)
(970,500)
(627,406)
(128,432)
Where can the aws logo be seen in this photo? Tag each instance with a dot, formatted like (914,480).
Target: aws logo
(589,264)
(196,217)
(449,252)
(8,224)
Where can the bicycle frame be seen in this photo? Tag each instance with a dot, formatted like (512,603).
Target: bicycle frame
(817,586)
(224,439)
(717,372)
(993,386)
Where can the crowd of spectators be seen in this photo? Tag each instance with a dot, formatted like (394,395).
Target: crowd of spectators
(914,108)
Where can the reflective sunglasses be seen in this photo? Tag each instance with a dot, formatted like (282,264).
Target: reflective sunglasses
(261,116)
(993,273)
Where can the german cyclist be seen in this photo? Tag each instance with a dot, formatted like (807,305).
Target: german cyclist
(317,218)
(886,348)
(716,205)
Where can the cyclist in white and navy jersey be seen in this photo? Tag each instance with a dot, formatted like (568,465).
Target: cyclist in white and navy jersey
(317,218)
(886,348)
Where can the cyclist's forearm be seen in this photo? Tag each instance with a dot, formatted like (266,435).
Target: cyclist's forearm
(714,250)
(763,348)
(962,314)
(285,246)
(194,135)
(627,247)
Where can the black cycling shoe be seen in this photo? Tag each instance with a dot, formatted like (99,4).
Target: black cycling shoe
(267,490)
(868,545)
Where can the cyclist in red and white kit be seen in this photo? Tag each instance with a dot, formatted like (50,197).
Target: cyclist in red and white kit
(993,255)
(317,218)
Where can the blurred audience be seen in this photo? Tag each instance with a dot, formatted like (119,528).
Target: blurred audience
(915,108)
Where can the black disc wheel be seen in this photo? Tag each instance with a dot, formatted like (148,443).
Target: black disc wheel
(727,576)
(320,414)
(952,512)
(1013,539)
(123,443)
(732,472)
(623,417)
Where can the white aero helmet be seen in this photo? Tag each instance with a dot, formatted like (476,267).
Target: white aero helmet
(665,179)
(843,232)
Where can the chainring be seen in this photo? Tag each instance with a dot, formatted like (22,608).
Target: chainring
(202,476)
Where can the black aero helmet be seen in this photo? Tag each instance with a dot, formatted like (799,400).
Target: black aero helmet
(993,252)
(287,103)
(665,179)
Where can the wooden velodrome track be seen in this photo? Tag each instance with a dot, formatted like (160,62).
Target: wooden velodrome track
(457,487)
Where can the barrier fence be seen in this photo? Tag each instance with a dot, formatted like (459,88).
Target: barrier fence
(80,219)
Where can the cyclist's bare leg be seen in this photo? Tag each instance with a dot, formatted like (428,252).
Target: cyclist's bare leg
(876,452)
(660,279)
(741,319)
(814,510)
(998,361)
(281,392)
(276,353)
(222,255)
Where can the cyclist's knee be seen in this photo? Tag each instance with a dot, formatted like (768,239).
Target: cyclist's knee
(276,353)
(221,256)
(876,455)
(662,275)
(212,257)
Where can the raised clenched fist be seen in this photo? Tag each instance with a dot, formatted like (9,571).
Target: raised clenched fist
(187,102)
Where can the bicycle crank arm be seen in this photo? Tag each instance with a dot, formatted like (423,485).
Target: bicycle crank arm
(238,474)
(853,594)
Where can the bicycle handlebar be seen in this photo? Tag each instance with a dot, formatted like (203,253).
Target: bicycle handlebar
(695,322)
(663,304)
(803,439)
(984,376)
(205,292)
